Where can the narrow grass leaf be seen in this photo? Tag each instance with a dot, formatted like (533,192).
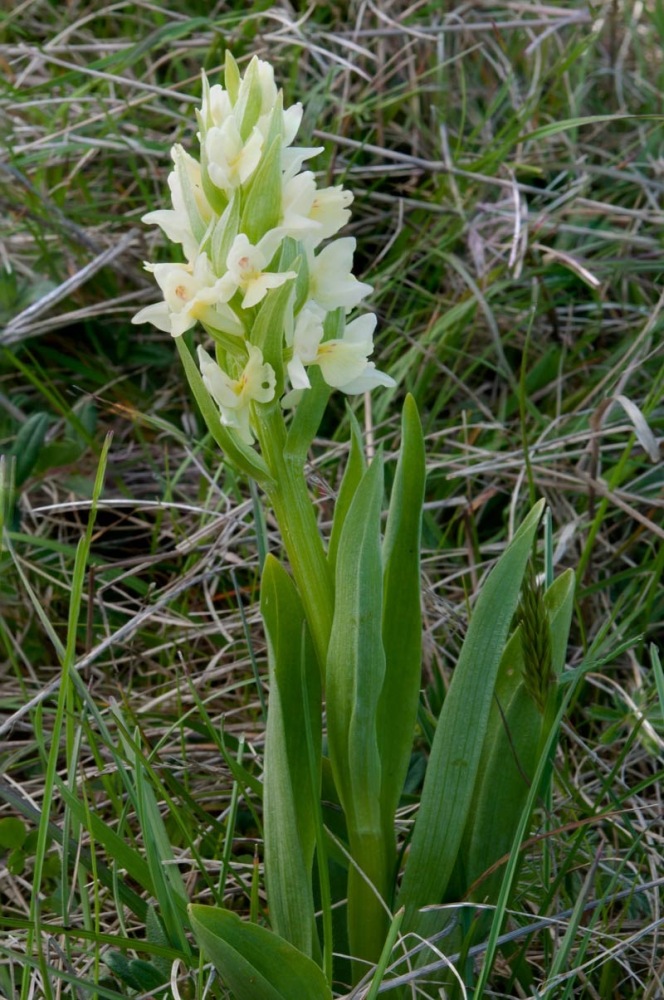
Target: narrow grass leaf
(123,855)
(659,674)
(169,888)
(456,750)
(385,956)
(254,963)
(555,128)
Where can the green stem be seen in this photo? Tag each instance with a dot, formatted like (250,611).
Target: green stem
(296,517)
(368,891)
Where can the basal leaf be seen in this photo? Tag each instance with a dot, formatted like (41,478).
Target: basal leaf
(254,963)
(292,780)
(455,754)
(402,615)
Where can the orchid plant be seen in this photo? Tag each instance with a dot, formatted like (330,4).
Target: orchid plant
(270,283)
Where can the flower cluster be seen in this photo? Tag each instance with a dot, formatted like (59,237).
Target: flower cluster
(250,221)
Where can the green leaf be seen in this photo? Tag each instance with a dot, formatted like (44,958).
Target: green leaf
(13,832)
(262,207)
(402,614)
(355,469)
(505,774)
(120,966)
(268,329)
(254,963)
(355,674)
(249,100)
(16,861)
(559,603)
(232,76)
(27,446)
(449,783)
(307,417)
(233,447)
(356,660)
(123,854)
(223,234)
(291,792)
(146,976)
(136,972)
(554,128)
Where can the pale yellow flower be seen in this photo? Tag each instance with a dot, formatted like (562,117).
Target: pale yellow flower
(246,265)
(177,223)
(191,293)
(331,279)
(233,395)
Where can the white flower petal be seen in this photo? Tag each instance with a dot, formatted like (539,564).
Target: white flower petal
(308,334)
(158,314)
(297,373)
(369,379)
(341,362)
(257,382)
(331,281)
(231,161)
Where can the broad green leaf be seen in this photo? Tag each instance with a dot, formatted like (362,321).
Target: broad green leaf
(13,832)
(233,448)
(455,754)
(254,963)
(402,614)
(356,660)
(355,468)
(511,749)
(292,781)
(27,446)
(355,674)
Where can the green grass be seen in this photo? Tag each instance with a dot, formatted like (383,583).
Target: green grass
(506,163)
